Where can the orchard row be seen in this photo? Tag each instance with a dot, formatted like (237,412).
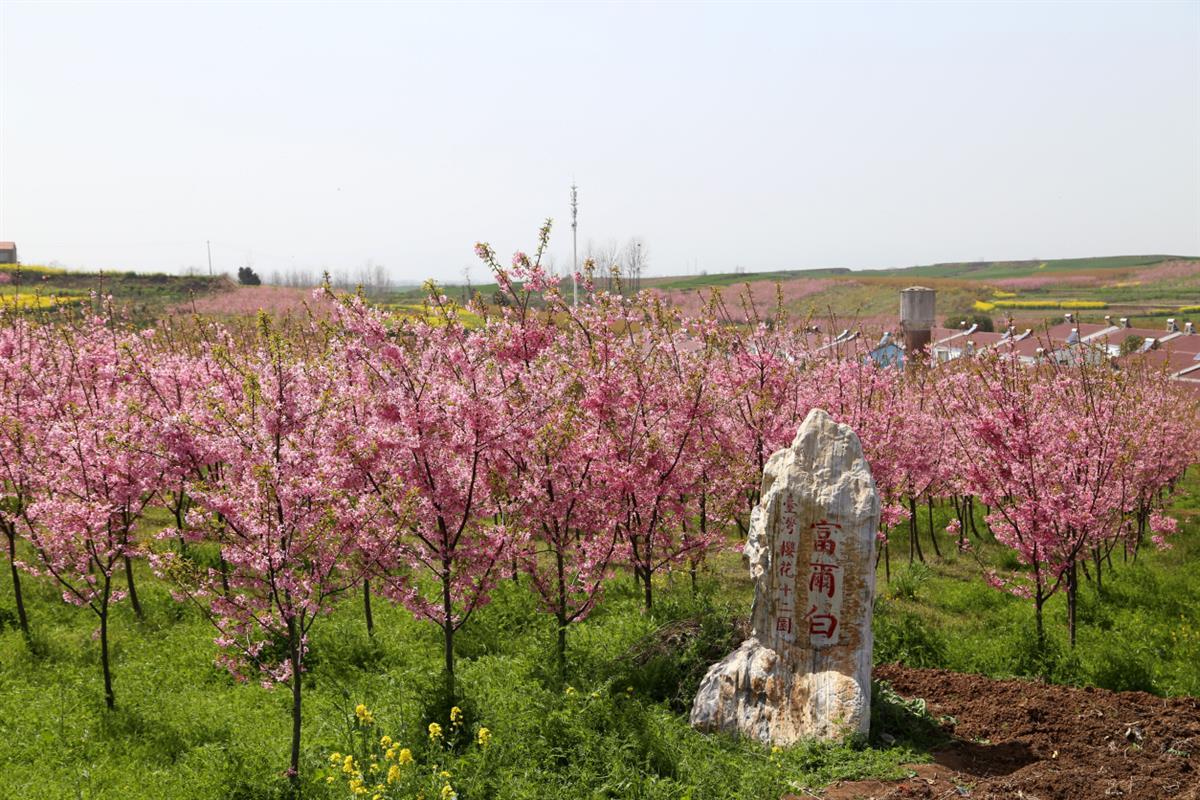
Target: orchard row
(423,459)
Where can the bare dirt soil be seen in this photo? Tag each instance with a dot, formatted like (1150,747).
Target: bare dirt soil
(1032,741)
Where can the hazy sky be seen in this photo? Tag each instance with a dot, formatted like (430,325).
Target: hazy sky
(764,136)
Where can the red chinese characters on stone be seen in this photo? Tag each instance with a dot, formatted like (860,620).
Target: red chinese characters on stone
(823,537)
(819,624)
(823,578)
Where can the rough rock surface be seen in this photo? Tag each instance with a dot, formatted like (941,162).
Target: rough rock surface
(806,669)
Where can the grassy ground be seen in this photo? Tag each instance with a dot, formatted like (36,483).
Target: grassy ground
(183,729)
(1141,631)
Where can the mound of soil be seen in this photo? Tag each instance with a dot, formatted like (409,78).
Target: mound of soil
(1032,741)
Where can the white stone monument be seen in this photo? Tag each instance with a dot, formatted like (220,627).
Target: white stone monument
(805,672)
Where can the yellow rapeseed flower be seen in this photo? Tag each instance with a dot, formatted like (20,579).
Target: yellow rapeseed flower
(348,765)
(435,731)
(364,714)
(385,742)
(393,774)
(405,756)
(456,716)
(443,774)
(484,737)
(335,758)
(391,753)
(448,793)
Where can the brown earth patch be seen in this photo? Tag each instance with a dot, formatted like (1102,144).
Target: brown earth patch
(1025,740)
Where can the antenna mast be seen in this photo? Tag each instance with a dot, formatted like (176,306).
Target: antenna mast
(574,244)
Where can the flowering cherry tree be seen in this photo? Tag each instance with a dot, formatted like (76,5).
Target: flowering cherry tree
(92,475)
(285,509)
(433,423)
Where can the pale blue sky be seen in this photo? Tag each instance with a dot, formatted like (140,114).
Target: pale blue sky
(767,136)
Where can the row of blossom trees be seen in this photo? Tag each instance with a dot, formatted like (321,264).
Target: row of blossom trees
(423,458)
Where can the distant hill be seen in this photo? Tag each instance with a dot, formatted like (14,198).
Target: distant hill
(144,296)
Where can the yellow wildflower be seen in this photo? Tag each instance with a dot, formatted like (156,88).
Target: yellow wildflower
(443,774)
(435,731)
(364,714)
(377,796)
(570,690)
(335,758)
(405,756)
(374,767)
(629,689)
(385,742)
(348,765)
(448,793)
(391,753)
(484,737)
(456,716)
(329,779)
(393,774)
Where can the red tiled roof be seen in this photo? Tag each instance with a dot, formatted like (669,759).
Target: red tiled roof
(1184,343)
(1168,360)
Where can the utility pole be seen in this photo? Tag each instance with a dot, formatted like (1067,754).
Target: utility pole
(574,244)
(208,244)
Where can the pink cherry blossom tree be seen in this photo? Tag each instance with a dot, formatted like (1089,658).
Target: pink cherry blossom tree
(285,508)
(433,426)
(94,476)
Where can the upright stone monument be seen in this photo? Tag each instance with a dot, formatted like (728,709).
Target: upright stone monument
(806,670)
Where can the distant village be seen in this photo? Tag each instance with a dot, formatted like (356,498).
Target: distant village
(1174,349)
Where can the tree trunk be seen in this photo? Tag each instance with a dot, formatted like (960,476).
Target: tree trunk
(914,543)
(22,619)
(887,561)
(932,536)
(561,614)
(649,597)
(294,765)
(1038,602)
(110,699)
(367,607)
(133,596)
(448,629)
(1072,598)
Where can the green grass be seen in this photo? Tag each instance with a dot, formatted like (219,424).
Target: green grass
(1140,631)
(184,729)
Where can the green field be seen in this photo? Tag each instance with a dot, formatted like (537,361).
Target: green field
(184,729)
(144,295)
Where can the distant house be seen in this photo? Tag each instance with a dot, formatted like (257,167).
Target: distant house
(8,253)
(887,353)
